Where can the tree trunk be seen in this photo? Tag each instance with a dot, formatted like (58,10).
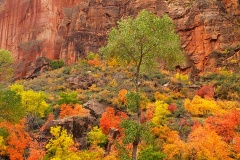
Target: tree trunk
(135,143)
(135,148)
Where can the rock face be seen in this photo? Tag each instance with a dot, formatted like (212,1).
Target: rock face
(206,26)
(68,29)
(37,66)
(78,127)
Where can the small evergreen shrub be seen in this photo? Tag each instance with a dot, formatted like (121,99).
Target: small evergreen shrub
(55,64)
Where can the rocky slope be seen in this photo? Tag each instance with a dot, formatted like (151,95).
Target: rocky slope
(68,29)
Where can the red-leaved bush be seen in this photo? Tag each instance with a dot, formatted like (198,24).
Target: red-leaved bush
(172,107)
(111,119)
(206,91)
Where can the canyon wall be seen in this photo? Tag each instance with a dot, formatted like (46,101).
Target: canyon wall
(69,29)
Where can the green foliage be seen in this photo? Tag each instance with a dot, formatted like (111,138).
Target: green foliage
(11,108)
(55,64)
(123,152)
(96,136)
(67,70)
(144,39)
(133,130)
(142,42)
(92,55)
(6,61)
(150,154)
(133,100)
(226,85)
(68,97)
(3,132)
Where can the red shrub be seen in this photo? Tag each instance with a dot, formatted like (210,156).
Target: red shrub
(172,107)
(111,119)
(206,91)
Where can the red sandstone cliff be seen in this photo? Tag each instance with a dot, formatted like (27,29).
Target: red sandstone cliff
(68,29)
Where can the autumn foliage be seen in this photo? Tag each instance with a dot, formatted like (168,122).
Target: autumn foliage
(207,144)
(93,59)
(172,107)
(59,147)
(206,91)
(202,143)
(111,119)
(36,150)
(156,113)
(200,106)
(122,96)
(94,62)
(225,125)
(17,141)
(72,110)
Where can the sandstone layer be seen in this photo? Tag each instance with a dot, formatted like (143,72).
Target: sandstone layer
(69,29)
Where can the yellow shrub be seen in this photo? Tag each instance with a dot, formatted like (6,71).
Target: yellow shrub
(227,105)
(159,96)
(201,106)
(183,78)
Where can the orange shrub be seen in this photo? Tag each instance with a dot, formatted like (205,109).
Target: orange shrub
(122,96)
(94,62)
(17,141)
(72,110)
(225,125)
(111,119)
(36,150)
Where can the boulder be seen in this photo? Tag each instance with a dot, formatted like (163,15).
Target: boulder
(77,126)
(81,82)
(96,108)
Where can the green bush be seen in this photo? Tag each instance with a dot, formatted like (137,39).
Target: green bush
(67,70)
(150,154)
(226,85)
(92,55)
(3,132)
(55,64)
(68,97)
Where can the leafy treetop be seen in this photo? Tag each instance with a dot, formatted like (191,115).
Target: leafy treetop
(6,61)
(144,40)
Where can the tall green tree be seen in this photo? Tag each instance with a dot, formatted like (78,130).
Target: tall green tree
(6,61)
(11,109)
(143,42)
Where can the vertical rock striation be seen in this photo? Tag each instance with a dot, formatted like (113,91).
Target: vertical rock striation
(206,26)
(68,29)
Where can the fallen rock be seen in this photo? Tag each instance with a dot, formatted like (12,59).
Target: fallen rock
(77,126)
(81,82)
(96,108)
(36,67)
